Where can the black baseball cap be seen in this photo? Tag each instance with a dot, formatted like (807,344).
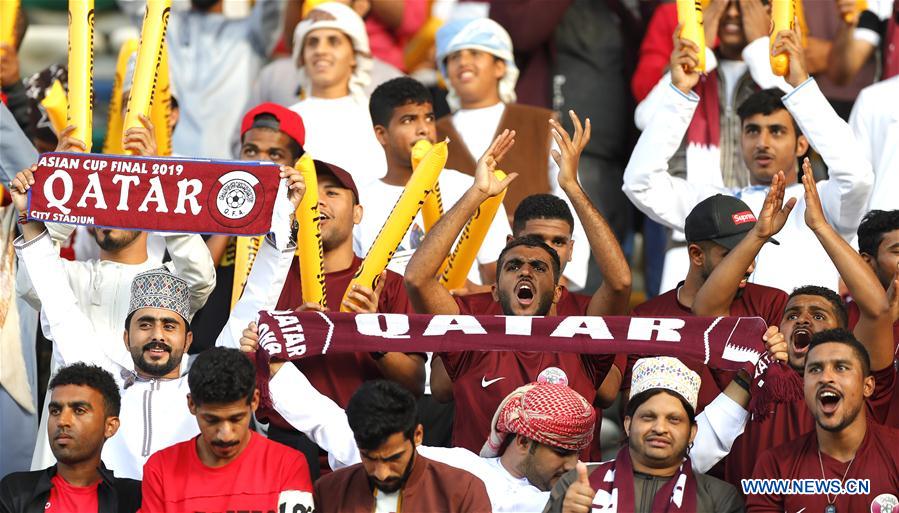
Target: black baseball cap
(722,219)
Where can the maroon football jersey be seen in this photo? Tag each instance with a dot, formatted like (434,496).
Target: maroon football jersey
(755,301)
(792,420)
(339,375)
(877,459)
(481,380)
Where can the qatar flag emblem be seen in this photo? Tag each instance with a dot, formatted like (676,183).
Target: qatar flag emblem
(238,197)
(885,503)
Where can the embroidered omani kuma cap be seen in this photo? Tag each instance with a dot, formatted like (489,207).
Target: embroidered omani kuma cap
(668,373)
(158,288)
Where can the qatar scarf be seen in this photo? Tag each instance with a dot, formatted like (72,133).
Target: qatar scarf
(614,485)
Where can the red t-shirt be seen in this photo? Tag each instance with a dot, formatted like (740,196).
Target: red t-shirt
(792,420)
(876,460)
(339,375)
(854,314)
(66,498)
(756,301)
(262,478)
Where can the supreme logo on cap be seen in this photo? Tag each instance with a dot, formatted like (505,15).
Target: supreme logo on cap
(743,217)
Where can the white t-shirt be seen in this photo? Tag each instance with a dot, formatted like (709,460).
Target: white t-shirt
(377,200)
(386,502)
(478,126)
(339,131)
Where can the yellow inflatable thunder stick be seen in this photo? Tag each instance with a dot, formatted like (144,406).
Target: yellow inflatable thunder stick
(689,15)
(433,206)
(152,37)
(56,105)
(245,251)
(161,109)
(399,220)
(860,6)
(463,256)
(81,69)
(9,9)
(782,15)
(114,122)
(309,237)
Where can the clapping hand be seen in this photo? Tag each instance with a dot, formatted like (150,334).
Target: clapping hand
(571,148)
(484,179)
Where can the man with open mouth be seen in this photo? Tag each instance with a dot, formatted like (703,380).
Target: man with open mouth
(528,273)
(339,375)
(331,51)
(810,310)
(846,443)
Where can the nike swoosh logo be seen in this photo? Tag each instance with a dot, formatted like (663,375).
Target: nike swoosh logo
(801,510)
(486,383)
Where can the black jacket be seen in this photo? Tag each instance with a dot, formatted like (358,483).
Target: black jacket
(28,492)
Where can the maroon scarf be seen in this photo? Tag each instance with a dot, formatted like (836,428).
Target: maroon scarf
(705,127)
(728,343)
(614,485)
(154,194)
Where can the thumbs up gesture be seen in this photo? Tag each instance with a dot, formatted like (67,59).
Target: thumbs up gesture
(579,497)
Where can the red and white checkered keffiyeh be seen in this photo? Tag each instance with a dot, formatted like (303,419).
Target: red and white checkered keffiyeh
(547,413)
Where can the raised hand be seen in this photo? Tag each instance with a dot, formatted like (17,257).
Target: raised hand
(774,213)
(364,300)
(18,188)
(140,140)
(684,59)
(571,148)
(579,496)
(69,143)
(790,42)
(484,179)
(296,185)
(814,212)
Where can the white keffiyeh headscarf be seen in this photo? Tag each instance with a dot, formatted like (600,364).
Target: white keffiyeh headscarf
(481,34)
(334,15)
